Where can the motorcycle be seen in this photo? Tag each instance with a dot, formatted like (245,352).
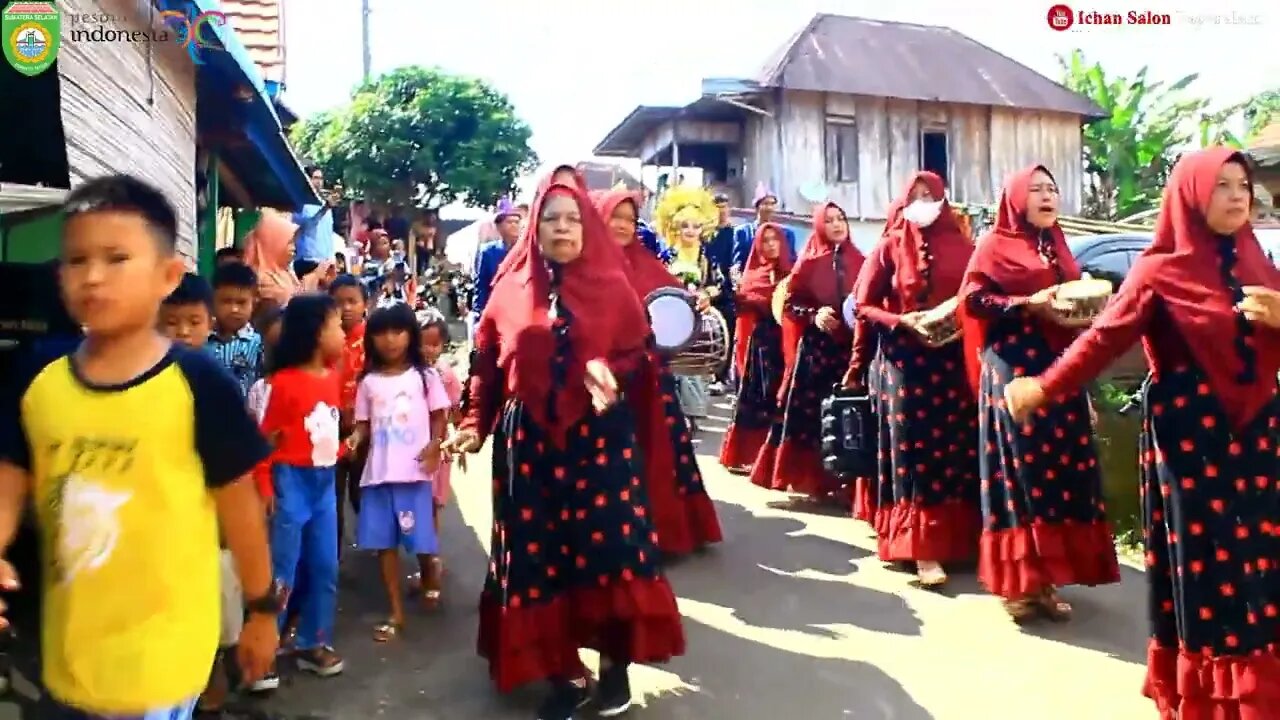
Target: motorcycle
(461,293)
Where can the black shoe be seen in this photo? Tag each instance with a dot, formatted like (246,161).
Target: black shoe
(565,697)
(613,694)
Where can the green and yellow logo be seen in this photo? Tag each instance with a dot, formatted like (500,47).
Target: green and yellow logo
(32,33)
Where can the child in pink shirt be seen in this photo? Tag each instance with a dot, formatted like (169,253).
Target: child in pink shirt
(401,410)
(435,338)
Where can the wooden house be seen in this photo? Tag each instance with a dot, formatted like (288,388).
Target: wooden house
(197,123)
(1265,150)
(855,106)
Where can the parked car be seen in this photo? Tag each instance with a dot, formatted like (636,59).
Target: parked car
(1109,257)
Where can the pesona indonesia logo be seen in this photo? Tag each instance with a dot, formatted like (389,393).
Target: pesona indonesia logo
(32,34)
(188,28)
(192,31)
(1062,18)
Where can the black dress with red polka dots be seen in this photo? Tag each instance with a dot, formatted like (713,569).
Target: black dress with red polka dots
(1212,530)
(574,561)
(791,457)
(927,484)
(1041,485)
(682,512)
(756,408)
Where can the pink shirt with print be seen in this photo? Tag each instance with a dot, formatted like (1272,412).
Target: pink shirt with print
(398,409)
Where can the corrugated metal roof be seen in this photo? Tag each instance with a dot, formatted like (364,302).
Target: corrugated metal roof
(859,56)
(1265,148)
(626,137)
(259,25)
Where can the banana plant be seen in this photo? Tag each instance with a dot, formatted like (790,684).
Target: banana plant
(1129,152)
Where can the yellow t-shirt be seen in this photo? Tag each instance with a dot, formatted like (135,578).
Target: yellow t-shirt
(122,478)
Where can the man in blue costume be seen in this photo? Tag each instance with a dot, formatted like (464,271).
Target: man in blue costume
(720,252)
(507,219)
(766,204)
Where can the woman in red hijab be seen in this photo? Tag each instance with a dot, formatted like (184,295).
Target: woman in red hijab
(823,276)
(1041,484)
(1205,302)
(926,494)
(574,561)
(679,507)
(758,354)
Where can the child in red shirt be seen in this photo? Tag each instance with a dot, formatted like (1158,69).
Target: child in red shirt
(352,298)
(301,418)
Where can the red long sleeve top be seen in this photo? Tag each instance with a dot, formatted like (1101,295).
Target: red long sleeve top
(1129,318)
(488,389)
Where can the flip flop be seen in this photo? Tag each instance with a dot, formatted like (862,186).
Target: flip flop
(1053,606)
(386,631)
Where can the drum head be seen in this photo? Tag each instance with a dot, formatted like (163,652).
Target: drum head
(848,309)
(673,318)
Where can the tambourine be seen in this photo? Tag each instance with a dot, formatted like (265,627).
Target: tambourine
(850,310)
(673,315)
(940,326)
(780,298)
(1078,302)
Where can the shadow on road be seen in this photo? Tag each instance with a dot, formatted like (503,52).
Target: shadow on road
(772,575)
(1104,619)
(431,671)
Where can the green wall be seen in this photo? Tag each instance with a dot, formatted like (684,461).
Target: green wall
(33,240)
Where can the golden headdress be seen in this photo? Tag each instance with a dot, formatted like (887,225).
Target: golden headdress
(679,203)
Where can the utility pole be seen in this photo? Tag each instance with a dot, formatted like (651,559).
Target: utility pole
(367,56)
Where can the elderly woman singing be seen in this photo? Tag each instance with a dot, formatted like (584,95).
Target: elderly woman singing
(574,559)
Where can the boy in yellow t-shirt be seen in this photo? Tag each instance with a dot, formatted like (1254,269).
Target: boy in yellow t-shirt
(134,450)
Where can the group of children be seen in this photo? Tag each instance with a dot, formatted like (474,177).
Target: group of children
(355,405)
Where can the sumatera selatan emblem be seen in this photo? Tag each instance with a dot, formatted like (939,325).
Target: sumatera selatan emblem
(32,33)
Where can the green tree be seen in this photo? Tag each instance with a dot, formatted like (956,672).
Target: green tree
(1258,112)
(1129,152)
(420,136)
(1262,110)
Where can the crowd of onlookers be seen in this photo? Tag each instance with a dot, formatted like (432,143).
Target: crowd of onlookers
(283,392)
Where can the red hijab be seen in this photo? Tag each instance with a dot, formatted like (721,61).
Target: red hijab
(1183,267)
(760,279)
(645,270)
(813,283)
(605,324)
(543,186)
(1008,257)
(923,283)
(813,279)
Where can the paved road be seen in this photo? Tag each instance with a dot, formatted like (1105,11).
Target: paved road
(792,616)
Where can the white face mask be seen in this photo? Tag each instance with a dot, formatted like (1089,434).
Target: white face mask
(922,212)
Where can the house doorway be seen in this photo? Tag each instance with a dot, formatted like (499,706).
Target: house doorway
(933,153)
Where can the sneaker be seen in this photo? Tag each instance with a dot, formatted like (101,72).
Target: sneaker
(266,683)
(322,662)
(613,694)
(565,698)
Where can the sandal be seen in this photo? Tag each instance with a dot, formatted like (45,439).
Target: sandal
(386,631)
(1021,611)
(1053,606)
(431,590)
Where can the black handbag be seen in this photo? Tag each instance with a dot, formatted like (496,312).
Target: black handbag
(848,434)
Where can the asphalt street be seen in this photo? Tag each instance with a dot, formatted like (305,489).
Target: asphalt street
(791,617)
